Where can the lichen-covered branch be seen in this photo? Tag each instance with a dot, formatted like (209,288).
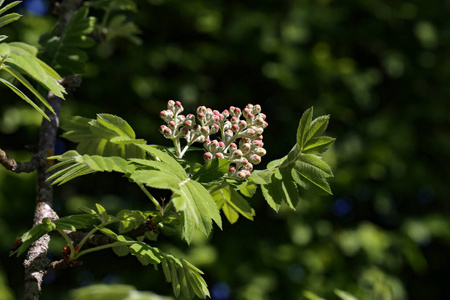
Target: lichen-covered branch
(19,167)
(36,262)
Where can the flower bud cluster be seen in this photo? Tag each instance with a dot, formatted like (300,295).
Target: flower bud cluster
(240,132)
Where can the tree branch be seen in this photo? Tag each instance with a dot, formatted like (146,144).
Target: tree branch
(18,167)
(36,262)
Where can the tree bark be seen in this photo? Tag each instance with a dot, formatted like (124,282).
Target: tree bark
(36,262)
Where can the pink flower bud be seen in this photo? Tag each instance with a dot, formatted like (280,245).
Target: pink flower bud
(246,111)
(238,110)
(259,137)
(219,155)
(265,125)
(181,117)
(233,146)
(249,166)
(216,127)
(222,144)
(235,127)
(200,139)
(172,124)
(262,116)
(185,130)
(249,106)
(231,169)
(207,156)
(162,113)
(257,108)
(246,147)
(207,141)
(201,109)
(205,129)
(225,113)
(244,160)
(259,121)
(215,143)
(170,104)
(167,131)
(201,115)
(255,159)
(217,118)
(229,133)
(242,174)
(178,103)
(259,131)
(258,143)
(260,151)
(242,124)
(188,123)
(162,127)
(234,120)
(216,112)
(238,154)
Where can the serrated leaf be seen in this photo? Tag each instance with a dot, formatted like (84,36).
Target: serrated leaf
(130,219)
(314,171)
(120,27)
(145,253)
(317,127)
(303,127)
(232,204)
(318,145)
(272,194)
(212,171)
(30,237)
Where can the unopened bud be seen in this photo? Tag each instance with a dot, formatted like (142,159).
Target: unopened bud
(201,115)
(205,130)
(207,156)
(242,124)
(259,130)
(259,121)
(215,128)
(246,147)
(235,127)
(219,155)
(201,109)
(172,124)
(249,166)
(238,154)
(255,159)
(221,144)
(231,169)
(260,151)
(257,108)
(170,104)
(233,146)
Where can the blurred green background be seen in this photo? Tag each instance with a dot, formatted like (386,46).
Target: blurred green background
(381,69)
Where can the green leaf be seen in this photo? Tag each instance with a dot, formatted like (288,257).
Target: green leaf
(314,171)
(212,171)
(130,219)
(303,127)
(31,236)
(344,295)
(62,50)
(9,18)
(273,194)
(311,296)
(318,145)
(74,222)
(8,6)
(30,87)
(4,49)
(121,250)
(73,165)
(197,207)
(317,127)
(119,27)
(232,204)
(24,97)
(146,254)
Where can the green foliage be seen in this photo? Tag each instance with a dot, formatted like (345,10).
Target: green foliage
(107,135)
(20,60)
(63,49)
(117,26)
(113,292)
(301,167)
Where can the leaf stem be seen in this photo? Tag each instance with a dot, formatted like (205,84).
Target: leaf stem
(150,196)
(104,247)
(87,236)
(69,242)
